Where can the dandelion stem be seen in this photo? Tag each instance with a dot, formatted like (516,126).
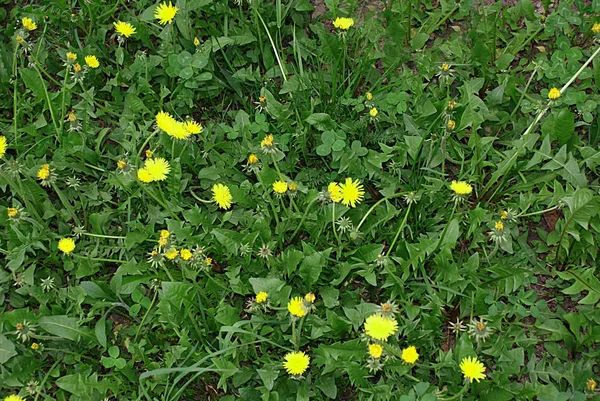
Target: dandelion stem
(380,201)
(312,202)
(78,256)
(391,249)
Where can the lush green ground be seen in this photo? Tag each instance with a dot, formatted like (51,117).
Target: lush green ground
(413,96)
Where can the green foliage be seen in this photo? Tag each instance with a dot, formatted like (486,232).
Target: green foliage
(158,300)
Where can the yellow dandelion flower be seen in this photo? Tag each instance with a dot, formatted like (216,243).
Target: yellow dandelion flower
(310,298)
(163,241)
(186,254)
(261,297)
(92,61)
(196,42)
(71,56)
(148,153)
(352,192)
(14,397)
(3,145)
(451,124)
(192,127)
(451,104)
(158,168)
(373,112)
(171,126)
(445,67)
(296,307)
(124,28)
(596,28)
(375,350)
(164,234)
(296,363)
(165,13)
(499,226)
(292,186)
(461,188)
(267,141)
(144,176)
(28,24)
(208,261)
(35,346)
(369,96)
(20,39)
(343,23)
(379,327)
(222,196)
(44,172)
(12,212)
(410,355)
(280,187)
(172,253)
(76,67)
(252,159)
(472,368)
(504,215)
(121,164)
(553,94)
(66,245)
(335,191)
(591,383)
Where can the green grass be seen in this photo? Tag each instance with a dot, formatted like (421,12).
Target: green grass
(506,273)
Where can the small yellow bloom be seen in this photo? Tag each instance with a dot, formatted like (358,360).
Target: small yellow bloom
(553,94)
(164,234)
(334,191)
(76,67)
(14,397)
(499,226)
(375,350)
(472,369)
(445,67)
(410,355)
(20,39)
(280,187)
(267,141)
(144,176)
(3,145)
(252,159)
(352,192)
(192,127)
(296,363)
(121,164)
(596,28)
(163,241)
(222,196)
(208,261)
(171,126)
(165,13)
(451,124)
(504,215)
(380,327)
(71,56)
(171,253)
(158,168)
(12,212)
(296,307)
(186,254)
(35,346)
(261,297)
(292,186)
(66,245)
(44,172)
(262,99)
(591,383)
(124,28)
(196,42)
(148,153)
(373,112)
(71,116)
(29,24)
(369,96)
(92,61)
(461,187)
(343,23)
(310,298)
(451,104)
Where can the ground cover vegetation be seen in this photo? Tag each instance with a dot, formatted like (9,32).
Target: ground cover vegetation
(294,200)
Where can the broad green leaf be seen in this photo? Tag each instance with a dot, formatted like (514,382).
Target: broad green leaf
(7,349)
(62,326)
(564,126)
